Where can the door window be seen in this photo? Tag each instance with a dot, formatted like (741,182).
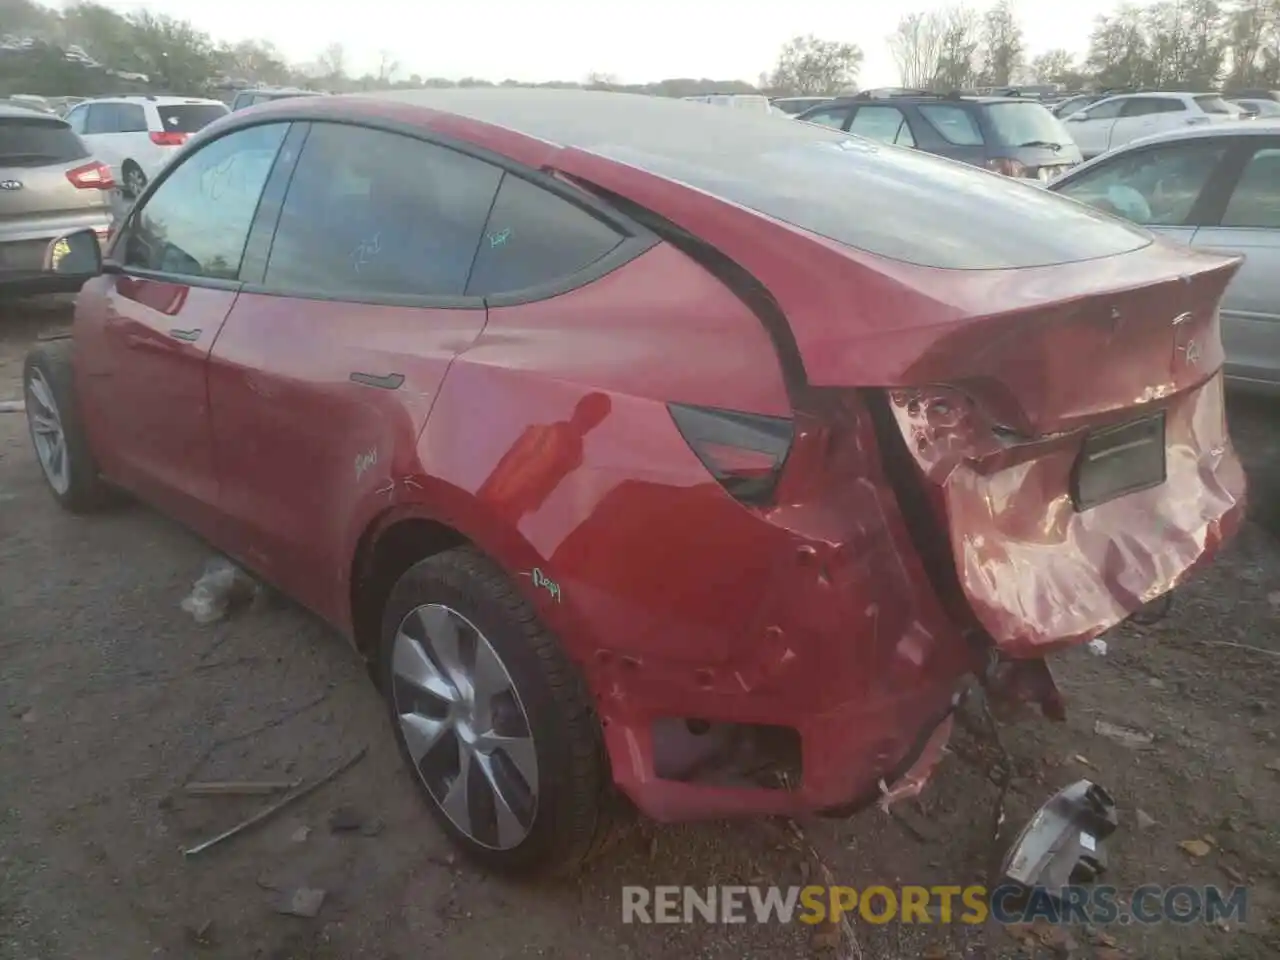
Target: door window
(1107,110)
(1146,106)
(76,118)
(534,237)
(831,117)
(370,213)
(130,118)
(886,124)
(197,221)
(1255,202)
(1156,187)
(956,124)
(102,118)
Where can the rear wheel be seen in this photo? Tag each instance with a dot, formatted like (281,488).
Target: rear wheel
(134,180)
(57,432)
(492,718)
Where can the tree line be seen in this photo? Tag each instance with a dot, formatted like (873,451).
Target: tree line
(178,58)
(1187,44)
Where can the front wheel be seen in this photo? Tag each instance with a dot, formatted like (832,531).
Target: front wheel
(493,718)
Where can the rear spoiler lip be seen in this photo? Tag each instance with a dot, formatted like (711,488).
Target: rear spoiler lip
(835,297)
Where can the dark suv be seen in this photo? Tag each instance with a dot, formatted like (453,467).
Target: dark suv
(1015,136)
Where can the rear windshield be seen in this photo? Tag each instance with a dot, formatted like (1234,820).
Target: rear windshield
(38,141)
(189,117)
(1212,104)
(1026,124)
(895,202)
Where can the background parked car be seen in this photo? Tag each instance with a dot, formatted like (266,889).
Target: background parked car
(1010,135)
(740,101)
(1115,121)
(50,186)
(249,98)
(136,136)
(1257,107)
(1218,188)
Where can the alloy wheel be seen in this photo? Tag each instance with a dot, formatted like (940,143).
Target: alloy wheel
(464,726)
(47,433)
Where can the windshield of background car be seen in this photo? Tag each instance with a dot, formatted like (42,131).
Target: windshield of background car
(189,117)
(893,202)
(1019,124)
(1211,104)
(38,141)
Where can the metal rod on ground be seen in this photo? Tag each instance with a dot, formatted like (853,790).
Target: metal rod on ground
(239,788)
(279,805)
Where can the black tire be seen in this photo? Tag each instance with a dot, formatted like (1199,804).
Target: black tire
(575,807)
(86,491)
(128,171)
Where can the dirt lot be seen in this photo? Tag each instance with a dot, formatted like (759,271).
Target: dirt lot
(113,698)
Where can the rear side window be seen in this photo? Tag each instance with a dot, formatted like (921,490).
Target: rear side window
(1213,104)
(534,237)
(103,118)
(371,214)
(37,142)
(956,124)
(197,221)
(188,117)
(131,118)
(1255,202)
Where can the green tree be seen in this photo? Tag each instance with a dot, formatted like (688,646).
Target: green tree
(176,56)
(958,55)
(810,66)
(1003,47)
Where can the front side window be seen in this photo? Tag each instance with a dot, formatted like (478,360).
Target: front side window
(1107,110)
(1255,202)
(371,213)
(956,124)
(196,222)
(76,118)
(831,117)
(886,124)
(1154,187)
(533,237)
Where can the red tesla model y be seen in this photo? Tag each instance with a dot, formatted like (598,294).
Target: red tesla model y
(693,456)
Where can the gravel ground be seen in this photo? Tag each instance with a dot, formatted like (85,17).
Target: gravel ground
(113,698)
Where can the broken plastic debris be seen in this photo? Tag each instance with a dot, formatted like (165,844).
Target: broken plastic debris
(221,586)
(1098,647)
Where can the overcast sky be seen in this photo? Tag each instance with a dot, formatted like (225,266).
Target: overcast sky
(537,40)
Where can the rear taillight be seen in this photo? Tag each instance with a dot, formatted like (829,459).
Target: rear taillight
(743,451)
(1008,167)
(943,426)
(166,139)
(92,176)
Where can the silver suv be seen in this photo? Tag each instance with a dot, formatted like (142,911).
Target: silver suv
(50,187)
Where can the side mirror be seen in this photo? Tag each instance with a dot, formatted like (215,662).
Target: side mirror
(74,255)
(1077,117)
